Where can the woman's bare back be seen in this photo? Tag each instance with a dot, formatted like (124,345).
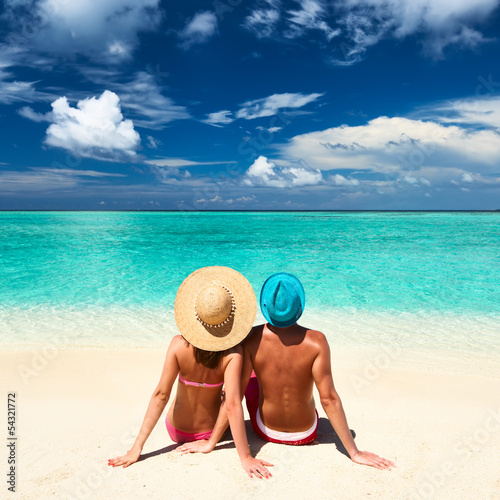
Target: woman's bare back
(195,409)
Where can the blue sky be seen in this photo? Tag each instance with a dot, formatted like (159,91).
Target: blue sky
(249,104)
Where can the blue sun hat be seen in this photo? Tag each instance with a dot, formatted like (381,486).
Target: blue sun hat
(282,299)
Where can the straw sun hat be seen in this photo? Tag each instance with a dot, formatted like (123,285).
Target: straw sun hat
(215,308)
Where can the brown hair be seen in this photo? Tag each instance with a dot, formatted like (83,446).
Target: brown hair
(209,359)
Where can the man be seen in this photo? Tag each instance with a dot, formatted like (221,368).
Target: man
(288,360)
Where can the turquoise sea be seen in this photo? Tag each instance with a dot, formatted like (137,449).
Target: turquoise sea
(110,278)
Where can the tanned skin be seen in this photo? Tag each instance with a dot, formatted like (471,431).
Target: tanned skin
(288,363)
(195,409)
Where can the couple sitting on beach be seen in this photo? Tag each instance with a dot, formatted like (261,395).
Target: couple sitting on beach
(275,365)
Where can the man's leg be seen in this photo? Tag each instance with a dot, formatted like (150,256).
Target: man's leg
(252,400)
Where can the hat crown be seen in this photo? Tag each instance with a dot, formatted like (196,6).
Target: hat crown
(213,304)
(282,299)
(285,300)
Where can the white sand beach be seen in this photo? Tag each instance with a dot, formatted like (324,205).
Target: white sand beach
(75,408)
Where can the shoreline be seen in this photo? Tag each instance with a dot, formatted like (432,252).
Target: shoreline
(83,406)
(372,342)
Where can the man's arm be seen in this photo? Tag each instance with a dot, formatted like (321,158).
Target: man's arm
(330,400)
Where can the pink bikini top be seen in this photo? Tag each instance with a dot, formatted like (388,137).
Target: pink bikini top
(198,384)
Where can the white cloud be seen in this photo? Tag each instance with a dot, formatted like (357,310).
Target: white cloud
(269,106)
(171,170)
(12,90)
(262,22)
(360,24)
(219,118)
(242,200)
(444,23)
(16,91)
(150,108)
(152,142)
(32,115)
(105,30)
(384,144)
(266,173)
(273,130)
(415,152)
(94,129)
(260,108)
(199,29)
(481,111)
(37,179)
(181,162)
(340,180)
(311,16)
(246,199)
(141,95)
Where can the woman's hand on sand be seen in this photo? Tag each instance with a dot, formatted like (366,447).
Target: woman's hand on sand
(200,446)
(128,459)
(369,458)
(256,467)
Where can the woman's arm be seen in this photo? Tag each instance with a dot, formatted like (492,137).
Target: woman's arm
(232,380)
(330,400)
(156,406)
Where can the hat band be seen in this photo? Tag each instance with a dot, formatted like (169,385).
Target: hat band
(227,320)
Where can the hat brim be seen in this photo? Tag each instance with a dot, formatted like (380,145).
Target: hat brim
(235,330)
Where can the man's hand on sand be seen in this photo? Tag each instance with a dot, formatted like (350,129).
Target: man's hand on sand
(128,459)
(200,446)
(369,458)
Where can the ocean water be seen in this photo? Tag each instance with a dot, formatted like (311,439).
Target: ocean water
(420,279)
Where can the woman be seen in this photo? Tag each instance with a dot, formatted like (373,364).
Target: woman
(215,308)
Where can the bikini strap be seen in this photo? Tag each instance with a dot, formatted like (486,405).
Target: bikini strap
(198,384)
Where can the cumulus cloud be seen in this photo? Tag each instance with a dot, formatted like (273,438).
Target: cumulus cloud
(99,30)
(413,152)
(383,143)
(199,29)
(269,106)
(266,173)
(94,129)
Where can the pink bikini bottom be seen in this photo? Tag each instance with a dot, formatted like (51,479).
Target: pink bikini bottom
(185,437)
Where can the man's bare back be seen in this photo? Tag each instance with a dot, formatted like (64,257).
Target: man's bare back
(282,359)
